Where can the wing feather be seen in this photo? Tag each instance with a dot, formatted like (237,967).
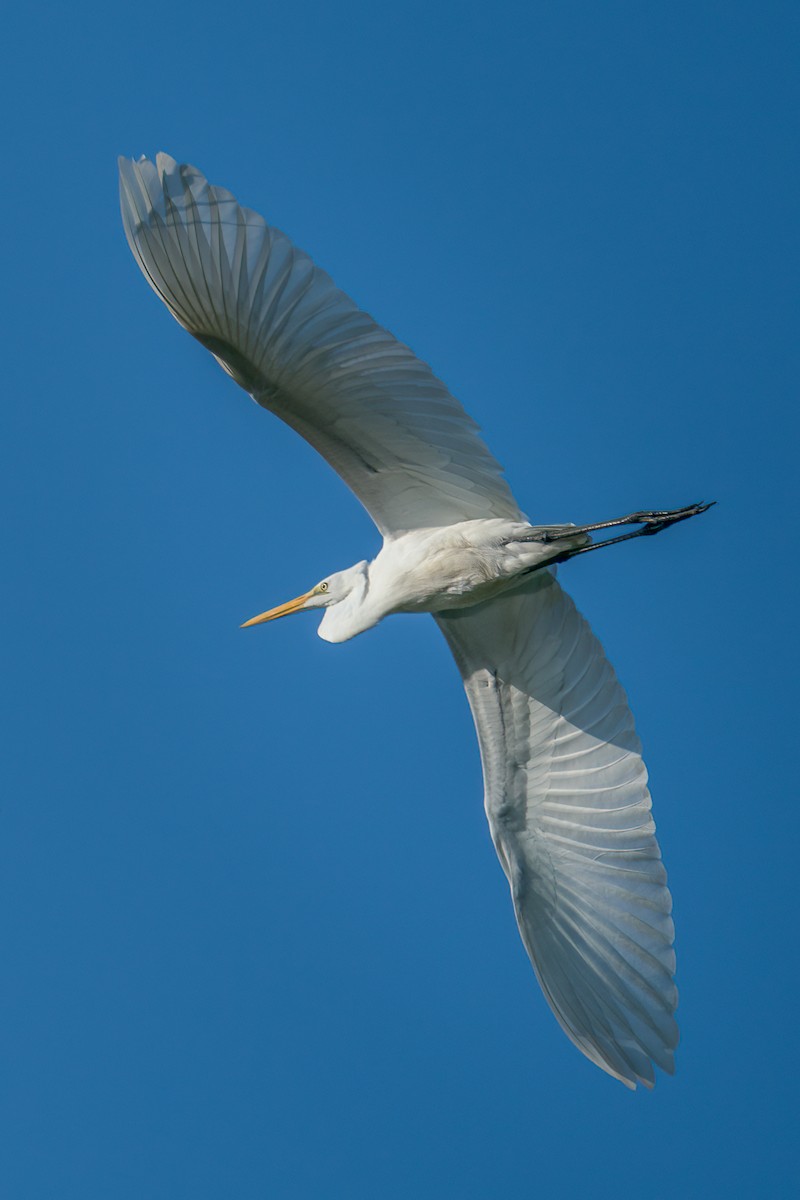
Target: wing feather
(280,328)
(569,813)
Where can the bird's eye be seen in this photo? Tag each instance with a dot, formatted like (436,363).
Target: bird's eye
(323,587)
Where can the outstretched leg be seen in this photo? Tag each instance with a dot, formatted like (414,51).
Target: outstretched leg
(650,522)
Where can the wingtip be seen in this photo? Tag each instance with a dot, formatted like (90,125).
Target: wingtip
(165,164)
(162,163)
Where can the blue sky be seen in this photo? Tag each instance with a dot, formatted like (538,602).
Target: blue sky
(255,941)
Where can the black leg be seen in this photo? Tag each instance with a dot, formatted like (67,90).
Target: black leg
(651,522)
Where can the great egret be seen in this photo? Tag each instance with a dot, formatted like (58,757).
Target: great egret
(565,786)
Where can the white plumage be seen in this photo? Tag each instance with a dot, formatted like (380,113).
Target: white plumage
(569,812)
(303,349)
(565,786)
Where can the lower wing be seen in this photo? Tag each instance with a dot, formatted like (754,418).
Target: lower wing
(569,813)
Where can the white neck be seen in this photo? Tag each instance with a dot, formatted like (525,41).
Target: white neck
(354,613)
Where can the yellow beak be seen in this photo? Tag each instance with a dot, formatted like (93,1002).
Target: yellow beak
(282,610)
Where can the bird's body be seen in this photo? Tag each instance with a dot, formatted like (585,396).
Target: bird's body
(565,786)
(441,569)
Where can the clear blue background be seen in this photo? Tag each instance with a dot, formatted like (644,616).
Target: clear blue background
(254,938)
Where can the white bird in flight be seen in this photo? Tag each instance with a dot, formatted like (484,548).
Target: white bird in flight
(565,786)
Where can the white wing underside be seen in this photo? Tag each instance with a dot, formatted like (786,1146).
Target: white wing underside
(569,812)
(302,348)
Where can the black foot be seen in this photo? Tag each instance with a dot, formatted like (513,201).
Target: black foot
(654,522)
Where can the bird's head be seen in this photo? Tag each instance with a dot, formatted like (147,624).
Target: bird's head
(340,594)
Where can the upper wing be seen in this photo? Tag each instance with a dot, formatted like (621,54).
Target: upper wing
(280,327)
(569,813)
